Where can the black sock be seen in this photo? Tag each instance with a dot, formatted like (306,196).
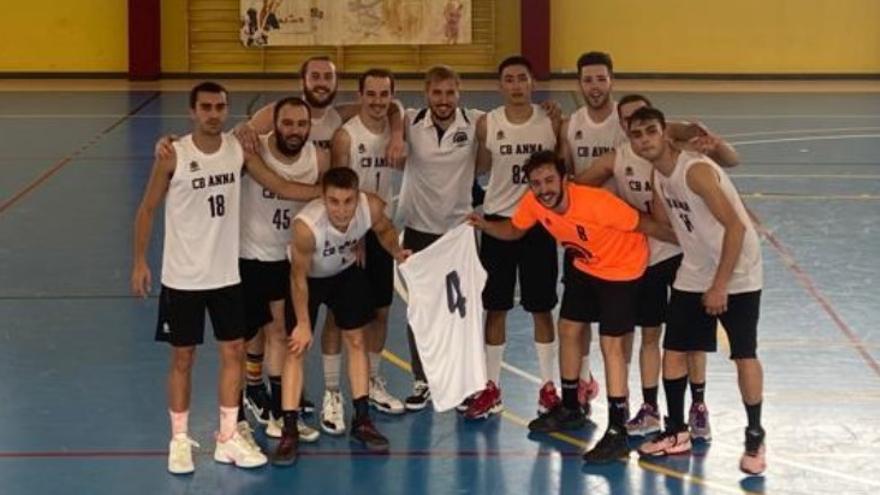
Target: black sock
(754,414)
(275,395)
(617,412)
(698,392)
(241,416)
(361,408)
(290,420)
(674,390)
(570,394)
(649,396)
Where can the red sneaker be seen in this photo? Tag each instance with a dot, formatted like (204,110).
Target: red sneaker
(486,403)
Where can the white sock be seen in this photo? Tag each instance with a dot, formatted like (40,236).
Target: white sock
(585,368)
(494,355)
(546,358)
(228,421)
(375,360)
(332,370)
(179,422)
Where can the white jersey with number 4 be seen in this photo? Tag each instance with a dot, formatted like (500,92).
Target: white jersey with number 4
(445,310)
(201,217)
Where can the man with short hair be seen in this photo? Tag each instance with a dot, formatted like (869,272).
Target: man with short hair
(435,195)
(507,136)
(607,238)
(324,271)
(720,279)
(265,270)
(359,144)
(632,178)
(201,180)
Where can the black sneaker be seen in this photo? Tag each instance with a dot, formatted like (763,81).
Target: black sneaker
(288,448)
(557,419)
(611,447)
(257,401)
(364,432)
(420,397)
(306,406)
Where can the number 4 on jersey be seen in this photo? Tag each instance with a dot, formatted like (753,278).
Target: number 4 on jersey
(455,300)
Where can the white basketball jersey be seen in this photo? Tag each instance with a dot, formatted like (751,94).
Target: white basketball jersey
(632,178)
(589,140)
(265,218)
(323,128)
(435,195)
(445,284)
(334,250)
(700,234)
(201,217)
(366,156)
(511,145)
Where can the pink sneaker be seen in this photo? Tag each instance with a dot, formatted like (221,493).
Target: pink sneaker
(645,422)
(486,403)
(754,461)
(548,399)
(668,443)
(587,391)
(698,422)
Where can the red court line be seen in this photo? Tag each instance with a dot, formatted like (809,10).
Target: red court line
(67,159)
(802,276)
(119,454)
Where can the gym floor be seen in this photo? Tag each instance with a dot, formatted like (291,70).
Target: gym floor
(84,383)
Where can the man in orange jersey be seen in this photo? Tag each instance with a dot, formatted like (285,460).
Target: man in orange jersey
(607,237)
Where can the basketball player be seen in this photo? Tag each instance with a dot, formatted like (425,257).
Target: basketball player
(720,278)
(265,234)
(324,271)
(359,144)
(435,195)
(591,131)
(199,268)
(631,176)
(611,252)
(508,135)
(319,87)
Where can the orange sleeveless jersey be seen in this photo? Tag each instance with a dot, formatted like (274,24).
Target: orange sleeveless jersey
(599,228)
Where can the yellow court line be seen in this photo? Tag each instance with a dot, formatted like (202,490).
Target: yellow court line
(513,418)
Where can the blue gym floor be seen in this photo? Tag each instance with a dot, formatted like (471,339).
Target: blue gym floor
(83,388)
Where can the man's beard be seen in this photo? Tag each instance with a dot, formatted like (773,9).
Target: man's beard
(315,101)
(286,149)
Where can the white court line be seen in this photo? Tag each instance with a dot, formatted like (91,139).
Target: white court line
(806,138)
(726,447)
(807,176)
(800,131)
(99,116)
(776,116)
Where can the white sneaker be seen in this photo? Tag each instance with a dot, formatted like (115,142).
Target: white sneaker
(382,400)
(333,413)
(180,459)
(238,451)
(247,433)
(307,434)
(274,427)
